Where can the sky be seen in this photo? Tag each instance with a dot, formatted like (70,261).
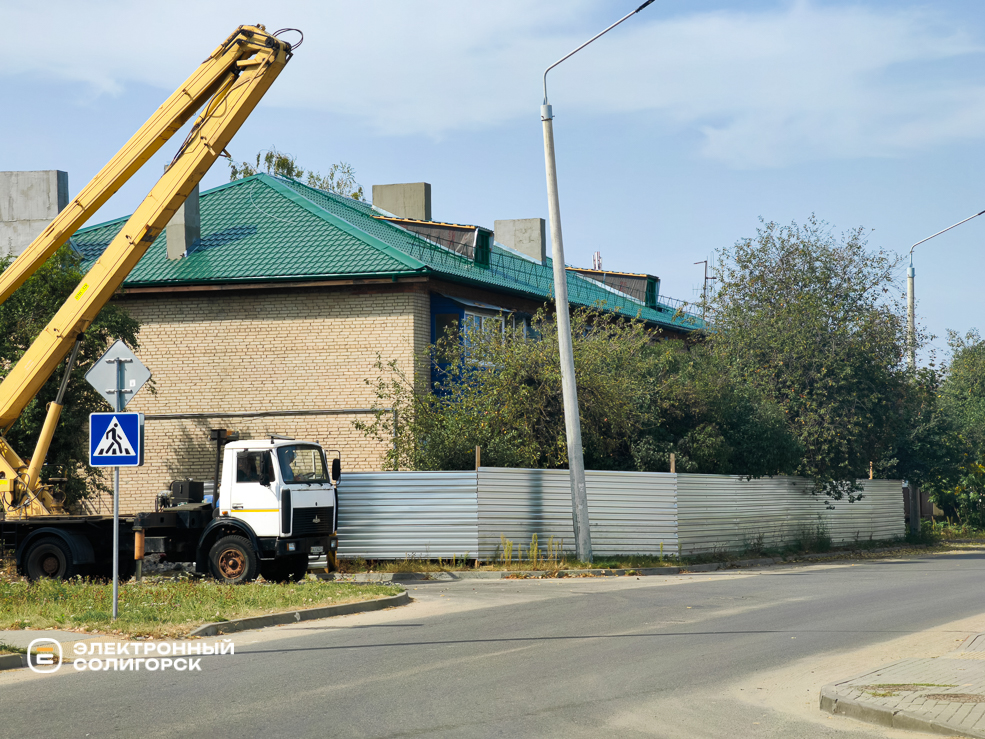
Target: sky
(675,133)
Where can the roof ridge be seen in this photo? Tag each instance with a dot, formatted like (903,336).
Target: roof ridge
(211,190)
(341,223)
(344,200)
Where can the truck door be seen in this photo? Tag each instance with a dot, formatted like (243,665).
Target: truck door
(253,501)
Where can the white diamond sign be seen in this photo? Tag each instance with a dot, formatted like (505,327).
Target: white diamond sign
(103,375)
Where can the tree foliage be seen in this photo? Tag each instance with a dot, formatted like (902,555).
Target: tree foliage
(640,399)
(814,322)
(22,318)
(341,177)
(800,370)
(961,493)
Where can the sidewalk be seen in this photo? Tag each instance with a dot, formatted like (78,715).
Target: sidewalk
(943,695)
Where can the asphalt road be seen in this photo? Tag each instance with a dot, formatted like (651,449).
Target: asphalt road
(732,654)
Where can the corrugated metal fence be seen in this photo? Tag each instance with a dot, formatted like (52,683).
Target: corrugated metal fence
(723,513)
(629,512)
(387,515)
(392,515)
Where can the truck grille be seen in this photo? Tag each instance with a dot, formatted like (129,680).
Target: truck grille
(305,524)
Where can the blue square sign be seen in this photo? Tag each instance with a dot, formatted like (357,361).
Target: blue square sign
(116,439)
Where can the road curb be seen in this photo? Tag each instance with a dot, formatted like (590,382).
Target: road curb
(292,617)
(833,702)
(453,575)
(12,661)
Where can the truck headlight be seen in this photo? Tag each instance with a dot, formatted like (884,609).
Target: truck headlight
(290,546)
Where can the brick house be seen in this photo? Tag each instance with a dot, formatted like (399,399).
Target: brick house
(269,315)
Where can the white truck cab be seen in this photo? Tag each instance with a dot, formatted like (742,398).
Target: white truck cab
(277,506)
(284,492)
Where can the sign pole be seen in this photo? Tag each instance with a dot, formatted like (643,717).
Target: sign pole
(121,404)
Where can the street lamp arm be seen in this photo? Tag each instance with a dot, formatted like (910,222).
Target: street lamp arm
(588,42)
(940,232)
(911,319)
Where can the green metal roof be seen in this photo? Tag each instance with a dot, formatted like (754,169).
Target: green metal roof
(265,228)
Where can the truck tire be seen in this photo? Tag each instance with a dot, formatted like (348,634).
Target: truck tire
(49,556)
(296,567)
(285,569)
(232,560)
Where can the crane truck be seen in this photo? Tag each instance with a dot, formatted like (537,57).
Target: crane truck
(276,502)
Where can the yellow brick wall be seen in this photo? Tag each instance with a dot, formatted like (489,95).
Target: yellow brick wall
(251,351)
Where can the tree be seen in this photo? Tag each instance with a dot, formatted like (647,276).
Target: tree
(640,398)
(341,177)
(815,323)
(961,493)
(22,317)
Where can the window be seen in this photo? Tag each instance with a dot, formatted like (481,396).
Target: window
(445,325)
(476,322)
(302,463)
(250,465)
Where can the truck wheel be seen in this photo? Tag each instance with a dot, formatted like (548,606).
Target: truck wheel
(296,567)
(285,569)
(232,560)
(49,557)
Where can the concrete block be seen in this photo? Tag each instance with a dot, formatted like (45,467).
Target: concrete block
(526,235)
(185,227)
(12,661)
(28,202)
(406,200)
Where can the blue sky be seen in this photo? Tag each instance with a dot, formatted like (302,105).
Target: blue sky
(675,133)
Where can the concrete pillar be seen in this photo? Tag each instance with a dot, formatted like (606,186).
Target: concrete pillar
(185,228)
(407,200)
(28,203)
(526,235)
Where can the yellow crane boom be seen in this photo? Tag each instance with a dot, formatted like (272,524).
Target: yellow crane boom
(229,84)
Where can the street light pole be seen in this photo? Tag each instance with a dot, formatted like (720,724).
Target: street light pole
(911,341)
(569,389)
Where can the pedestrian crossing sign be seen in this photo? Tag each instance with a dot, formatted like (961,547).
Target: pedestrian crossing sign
(116,439)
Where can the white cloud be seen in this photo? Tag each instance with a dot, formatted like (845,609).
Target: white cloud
(800,81)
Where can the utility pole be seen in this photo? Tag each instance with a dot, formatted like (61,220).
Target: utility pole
(569,389)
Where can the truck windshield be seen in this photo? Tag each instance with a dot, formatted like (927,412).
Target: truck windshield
(301,463)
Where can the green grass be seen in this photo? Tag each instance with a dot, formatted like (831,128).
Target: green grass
(165,608)
(947,531)
(513,557)
(11,649)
